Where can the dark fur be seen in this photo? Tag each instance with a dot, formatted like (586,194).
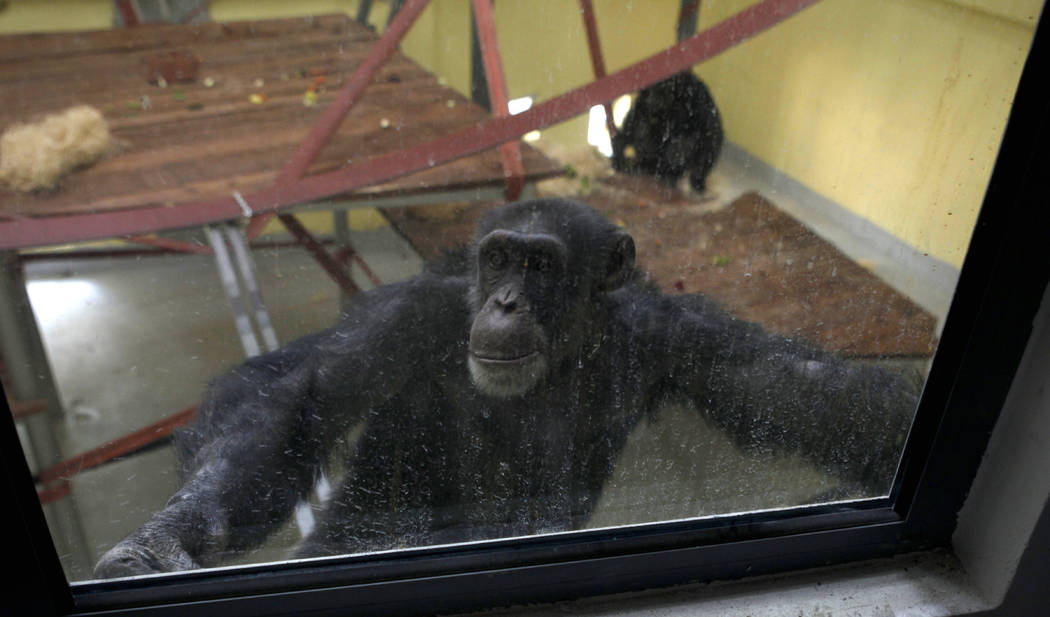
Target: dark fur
(440,461)
(673,128)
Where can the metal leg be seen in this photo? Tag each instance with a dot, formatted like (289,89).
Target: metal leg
(594,46)
(246,265)
(395,8)
(687,16)
(363,11)
(479,85)
(510,152)
(341,229)
(29,378)
(232,287)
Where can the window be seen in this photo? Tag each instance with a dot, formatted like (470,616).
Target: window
(642,544)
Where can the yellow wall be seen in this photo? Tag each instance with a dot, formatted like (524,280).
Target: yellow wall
(52,15)
(892,108)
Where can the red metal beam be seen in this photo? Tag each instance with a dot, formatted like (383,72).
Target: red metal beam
(337,110)
(171,245)
(315,248)
(482,136)
(54,492)
(350,94)
(112,449)
(594,46)
(190,16)
(346,254)
(129,12)
(23,409)
(510,152)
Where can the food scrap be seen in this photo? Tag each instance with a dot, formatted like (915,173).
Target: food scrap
(310,96)
(172,67)
(256,98)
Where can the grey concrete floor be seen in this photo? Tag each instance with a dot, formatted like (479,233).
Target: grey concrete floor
(132,340)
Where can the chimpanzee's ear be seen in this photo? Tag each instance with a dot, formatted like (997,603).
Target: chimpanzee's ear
(620,263)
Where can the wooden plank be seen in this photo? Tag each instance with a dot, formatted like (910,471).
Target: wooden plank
(64,45)
(183,151)
(197,143)
(228,51)
(128,73)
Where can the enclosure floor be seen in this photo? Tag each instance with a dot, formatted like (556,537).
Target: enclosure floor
(132,340)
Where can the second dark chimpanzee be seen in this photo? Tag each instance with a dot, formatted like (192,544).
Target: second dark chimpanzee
(673,128)
(493,394)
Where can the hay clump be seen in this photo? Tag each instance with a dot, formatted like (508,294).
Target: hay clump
(35,155)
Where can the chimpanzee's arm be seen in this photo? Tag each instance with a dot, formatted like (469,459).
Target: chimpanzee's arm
(850,418)
(264,429)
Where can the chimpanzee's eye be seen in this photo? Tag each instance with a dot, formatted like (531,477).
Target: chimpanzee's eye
(542,263)
(497,259)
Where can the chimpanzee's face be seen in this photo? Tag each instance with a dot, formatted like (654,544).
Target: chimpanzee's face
(519,287)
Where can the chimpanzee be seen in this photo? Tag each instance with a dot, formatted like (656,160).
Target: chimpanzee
(495,391)
(672,128)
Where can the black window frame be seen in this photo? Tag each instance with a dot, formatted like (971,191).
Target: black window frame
(1002,282)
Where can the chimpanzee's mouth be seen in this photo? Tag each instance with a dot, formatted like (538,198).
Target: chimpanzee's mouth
(495,360)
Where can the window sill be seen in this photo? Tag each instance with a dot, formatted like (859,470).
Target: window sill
(931,584)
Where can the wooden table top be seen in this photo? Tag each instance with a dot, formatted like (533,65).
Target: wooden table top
(188,142)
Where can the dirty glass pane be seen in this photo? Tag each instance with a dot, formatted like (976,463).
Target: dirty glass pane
(721,294)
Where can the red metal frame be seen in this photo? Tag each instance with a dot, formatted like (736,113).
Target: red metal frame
(171,245)
(129,12)
(510,152)
(487,134)
(55,479)
(594,46)
(330,265)
(346,254)
(349,95)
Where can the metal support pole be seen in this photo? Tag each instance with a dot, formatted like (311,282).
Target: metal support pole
(510,152)
(30,377)
(594,46)
(341,231)
(479,85)
(232,257)
(687,16)
(330,265)
(246,267)
(363,10)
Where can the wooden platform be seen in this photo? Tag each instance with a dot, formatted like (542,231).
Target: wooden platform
(189,142)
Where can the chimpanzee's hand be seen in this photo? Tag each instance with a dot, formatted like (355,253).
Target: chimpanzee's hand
(144,552)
